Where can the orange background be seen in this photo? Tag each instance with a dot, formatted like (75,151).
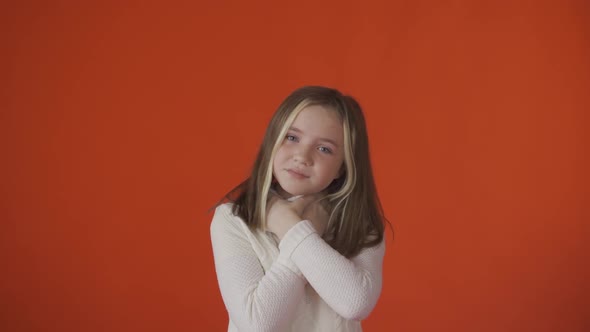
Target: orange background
(122,123)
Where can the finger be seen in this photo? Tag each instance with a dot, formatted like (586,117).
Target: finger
(273,196)
(271,200)
(302,202)
(294,198)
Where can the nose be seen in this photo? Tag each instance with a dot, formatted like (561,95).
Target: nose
(303,155)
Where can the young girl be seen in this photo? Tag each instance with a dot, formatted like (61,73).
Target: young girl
(300,246)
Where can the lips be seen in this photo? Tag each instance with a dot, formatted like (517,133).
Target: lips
(296,173)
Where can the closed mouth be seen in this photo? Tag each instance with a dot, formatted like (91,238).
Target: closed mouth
(297,173)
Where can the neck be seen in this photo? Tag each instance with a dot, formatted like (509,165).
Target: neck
(280,191)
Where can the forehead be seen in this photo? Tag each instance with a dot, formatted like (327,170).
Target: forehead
(320,122)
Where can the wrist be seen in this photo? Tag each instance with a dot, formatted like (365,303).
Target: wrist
(289,221)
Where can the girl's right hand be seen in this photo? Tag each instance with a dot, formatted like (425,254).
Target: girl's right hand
(283,214)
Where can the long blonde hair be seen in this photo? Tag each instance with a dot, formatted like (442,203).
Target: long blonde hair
(356,217)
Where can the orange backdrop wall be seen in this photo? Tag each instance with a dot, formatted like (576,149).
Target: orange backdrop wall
(122,123)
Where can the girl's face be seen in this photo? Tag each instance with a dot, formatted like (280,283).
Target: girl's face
(312,153)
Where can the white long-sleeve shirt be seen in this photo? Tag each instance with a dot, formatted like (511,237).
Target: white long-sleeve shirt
(301,284)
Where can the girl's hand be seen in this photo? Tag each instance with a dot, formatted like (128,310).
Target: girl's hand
(283,214)
(317,214)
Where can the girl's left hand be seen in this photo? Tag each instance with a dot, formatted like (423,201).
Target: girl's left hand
(317,215)
(283,214)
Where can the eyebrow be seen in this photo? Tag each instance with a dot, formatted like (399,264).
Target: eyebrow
(297,130)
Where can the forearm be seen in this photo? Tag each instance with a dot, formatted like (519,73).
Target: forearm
(351,287)
(258,302)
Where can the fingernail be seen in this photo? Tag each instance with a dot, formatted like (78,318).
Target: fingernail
(291,199)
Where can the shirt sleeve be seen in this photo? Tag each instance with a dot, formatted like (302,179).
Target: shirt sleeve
(255,300)
(351,287)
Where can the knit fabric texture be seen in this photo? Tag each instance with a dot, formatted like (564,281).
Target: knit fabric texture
(299,284)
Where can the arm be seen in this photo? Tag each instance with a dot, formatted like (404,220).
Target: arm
(351,287)
(254,300)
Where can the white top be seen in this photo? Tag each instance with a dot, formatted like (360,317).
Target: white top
(302,284)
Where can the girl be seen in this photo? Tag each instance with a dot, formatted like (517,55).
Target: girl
(299,246)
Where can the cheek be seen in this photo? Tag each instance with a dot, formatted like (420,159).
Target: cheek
(338,169)
(279,159)
(281,155)
(332,170)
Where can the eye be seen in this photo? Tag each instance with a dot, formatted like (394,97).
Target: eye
(291,138)
(325,149)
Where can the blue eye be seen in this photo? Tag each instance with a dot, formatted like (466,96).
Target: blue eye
(291,138)
(324,149)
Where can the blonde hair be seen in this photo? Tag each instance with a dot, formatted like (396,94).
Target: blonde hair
(356,217)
